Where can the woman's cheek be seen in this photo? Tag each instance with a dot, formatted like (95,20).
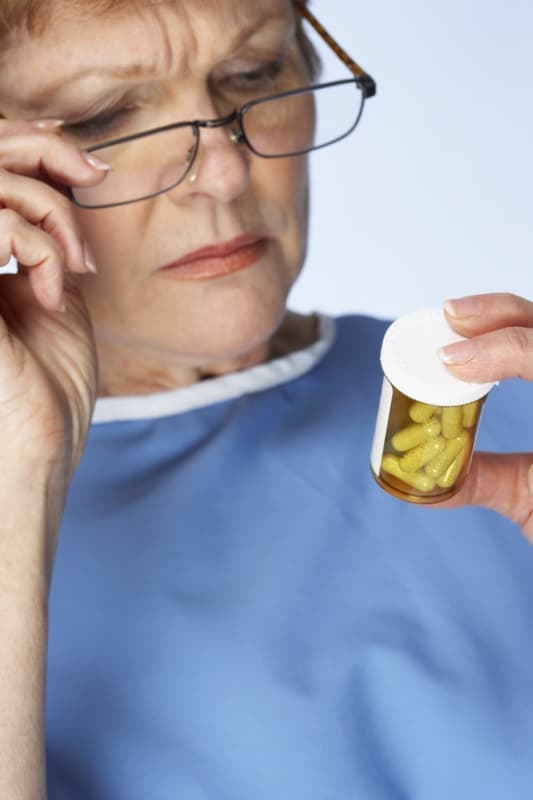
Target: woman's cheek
(114,236)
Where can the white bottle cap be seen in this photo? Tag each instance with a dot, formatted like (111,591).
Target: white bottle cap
(410,361)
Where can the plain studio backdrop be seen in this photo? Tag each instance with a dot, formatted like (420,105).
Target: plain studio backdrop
(430,197)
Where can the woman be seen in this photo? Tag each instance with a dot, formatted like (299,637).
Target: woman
(236,610)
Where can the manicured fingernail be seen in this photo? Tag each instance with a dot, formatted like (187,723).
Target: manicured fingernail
(459,352)
(48,124)
(463,307)
(90,261)
(96,162)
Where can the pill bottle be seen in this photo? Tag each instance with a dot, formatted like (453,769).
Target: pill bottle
(427,418)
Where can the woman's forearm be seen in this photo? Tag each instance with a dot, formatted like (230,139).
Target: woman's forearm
(25,572)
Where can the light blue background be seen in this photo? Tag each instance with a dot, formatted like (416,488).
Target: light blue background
(431,197)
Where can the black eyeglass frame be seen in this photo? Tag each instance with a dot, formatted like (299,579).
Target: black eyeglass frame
(362,80)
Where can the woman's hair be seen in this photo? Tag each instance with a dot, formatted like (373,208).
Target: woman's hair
(32,15)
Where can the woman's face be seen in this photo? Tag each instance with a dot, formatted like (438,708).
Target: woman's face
(195,60)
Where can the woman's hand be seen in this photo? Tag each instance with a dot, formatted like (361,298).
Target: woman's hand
(47,358)
(500,345)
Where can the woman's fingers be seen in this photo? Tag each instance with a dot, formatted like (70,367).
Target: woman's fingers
(39,153)
(471,316)
(506,353)
(500,327)
(47,285)
(47,209)
(37,225)
(39,252)
(34,150)
(499,344)
(503,483)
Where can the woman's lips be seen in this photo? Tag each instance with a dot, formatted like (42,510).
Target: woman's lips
(217,260)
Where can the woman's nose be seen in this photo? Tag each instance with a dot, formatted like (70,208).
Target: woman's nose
(221,166)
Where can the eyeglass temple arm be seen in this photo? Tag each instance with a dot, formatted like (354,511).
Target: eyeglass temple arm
(366,82)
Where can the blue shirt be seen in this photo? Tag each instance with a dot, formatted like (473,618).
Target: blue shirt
(238,611)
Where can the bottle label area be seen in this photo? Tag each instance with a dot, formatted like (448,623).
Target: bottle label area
(382,421)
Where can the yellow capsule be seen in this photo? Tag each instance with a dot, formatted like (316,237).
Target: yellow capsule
(420,455)
(438,465)
(421,412)
(449,478)
(419,481)
(414,435)
(470,414)
(452,421)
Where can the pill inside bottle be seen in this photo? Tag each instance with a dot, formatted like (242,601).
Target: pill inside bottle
(427,418)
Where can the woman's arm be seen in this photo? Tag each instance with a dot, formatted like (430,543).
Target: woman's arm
(30,517)
(47,391)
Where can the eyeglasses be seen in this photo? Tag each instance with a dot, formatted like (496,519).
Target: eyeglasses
(281,125)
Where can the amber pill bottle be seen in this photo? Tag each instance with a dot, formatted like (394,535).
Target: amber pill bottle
(427,419)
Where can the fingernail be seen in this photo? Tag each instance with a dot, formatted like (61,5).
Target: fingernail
(459,352)
(96,162)
(90,261)
(48,124)
(463,307)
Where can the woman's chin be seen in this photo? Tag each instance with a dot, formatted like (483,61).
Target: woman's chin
(238,340)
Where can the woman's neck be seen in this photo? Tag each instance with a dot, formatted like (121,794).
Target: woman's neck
(124,371)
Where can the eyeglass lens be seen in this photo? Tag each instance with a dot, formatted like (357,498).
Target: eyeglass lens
(281,126)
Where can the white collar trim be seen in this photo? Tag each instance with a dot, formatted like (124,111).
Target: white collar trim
(215,390)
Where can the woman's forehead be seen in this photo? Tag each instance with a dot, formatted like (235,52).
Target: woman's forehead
(155,38)
(233,15)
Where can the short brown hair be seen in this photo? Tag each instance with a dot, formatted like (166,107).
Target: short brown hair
(33,14)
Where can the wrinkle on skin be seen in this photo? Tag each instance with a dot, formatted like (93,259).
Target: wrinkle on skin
(163,60)
(296,332)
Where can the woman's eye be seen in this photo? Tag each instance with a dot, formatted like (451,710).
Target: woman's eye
(100,125)
(268,72)
(263,76)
